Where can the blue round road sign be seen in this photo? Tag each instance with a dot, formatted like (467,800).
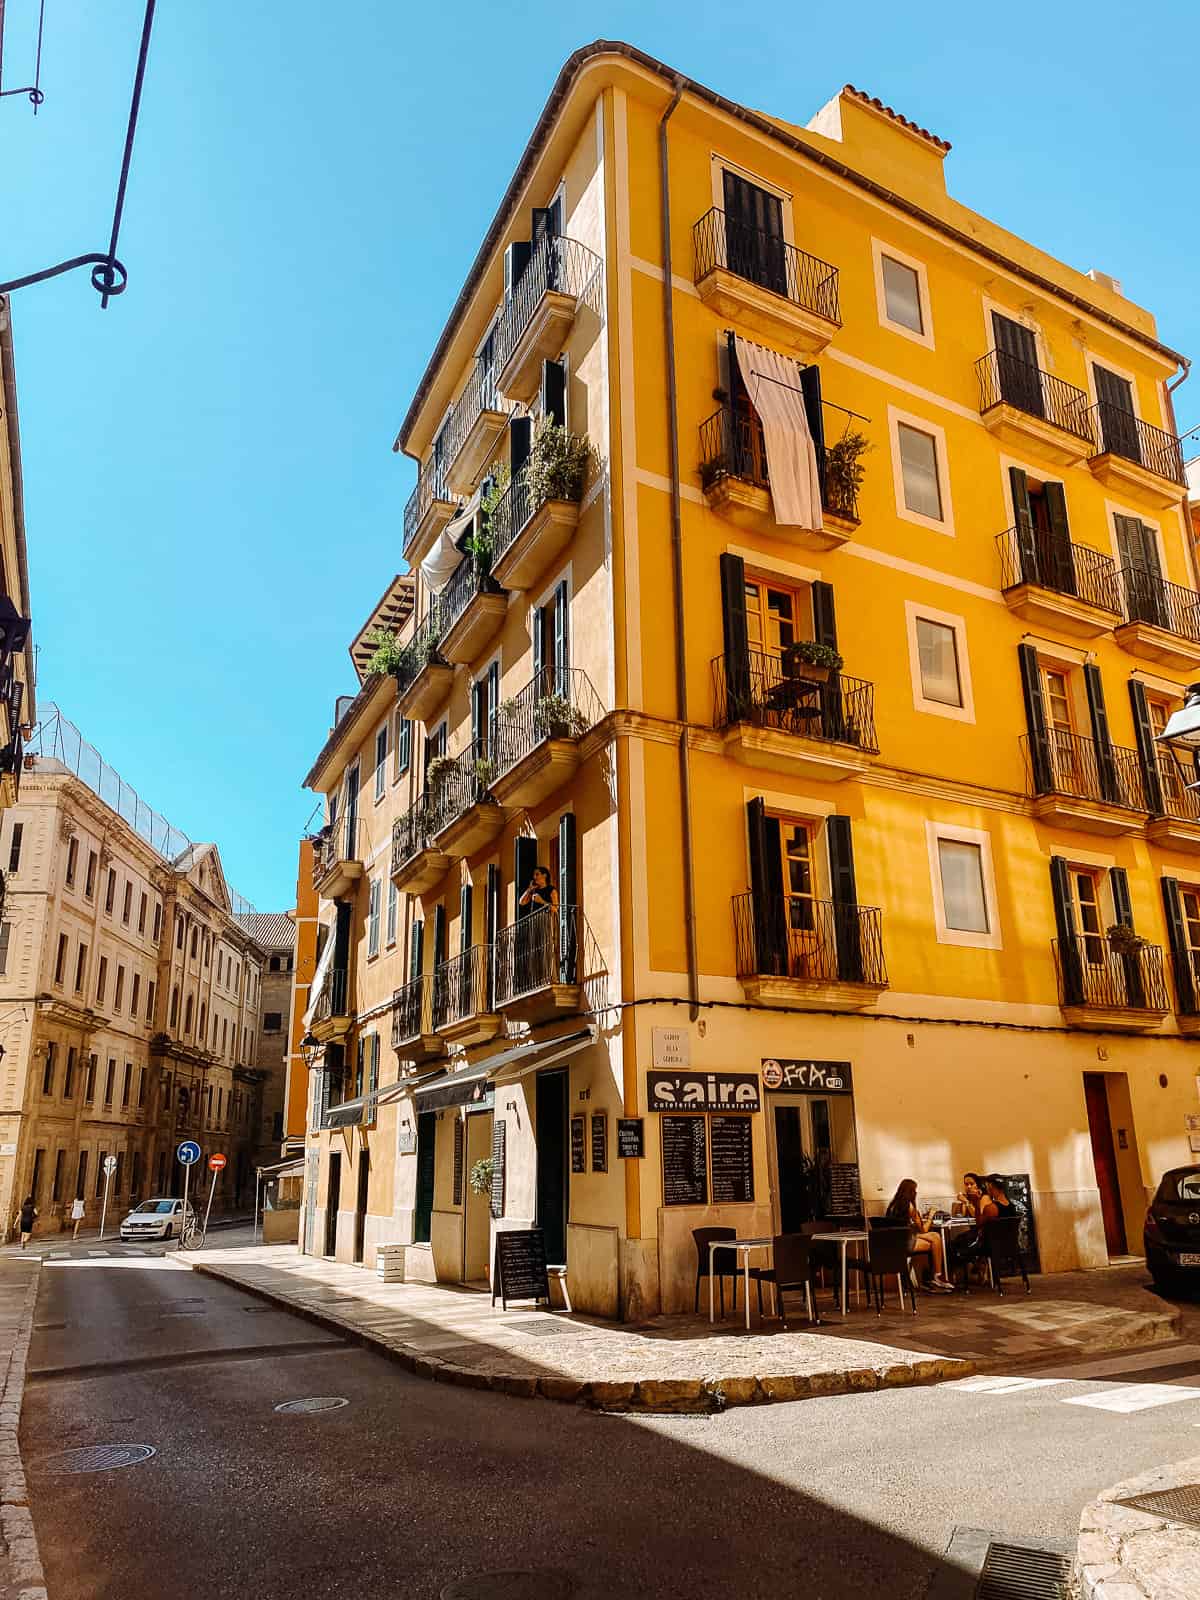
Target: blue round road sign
(188,1153)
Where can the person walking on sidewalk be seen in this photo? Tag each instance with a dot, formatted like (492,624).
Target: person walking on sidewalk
(26,1220)
(77,1212)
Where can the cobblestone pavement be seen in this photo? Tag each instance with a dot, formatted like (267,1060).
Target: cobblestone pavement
(1131,1554)
(454,1334)
(20,1563)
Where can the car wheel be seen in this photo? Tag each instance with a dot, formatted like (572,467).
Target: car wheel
(167,1234)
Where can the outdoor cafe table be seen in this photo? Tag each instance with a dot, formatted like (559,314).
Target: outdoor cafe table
(740,1247)
(844,1237)
(946,1226)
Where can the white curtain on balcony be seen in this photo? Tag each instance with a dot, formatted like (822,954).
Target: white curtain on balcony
(314,992)
(771,381)
(440,564)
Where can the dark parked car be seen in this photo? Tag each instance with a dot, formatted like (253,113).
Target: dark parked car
(1172,1234)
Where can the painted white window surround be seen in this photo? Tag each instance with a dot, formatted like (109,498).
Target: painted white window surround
(928,650)
(902,293)
(965,906)
(920,471)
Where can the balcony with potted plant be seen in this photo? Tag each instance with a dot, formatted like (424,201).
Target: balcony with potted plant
(536,514)
(1114,980)
(538,732)
(559,276)
(417,864)
(430,507)
(463,814)
(796,712)
(337,863)
(539,962)
(472,605)
(423,675)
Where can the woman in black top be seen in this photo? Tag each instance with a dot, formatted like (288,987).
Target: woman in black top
(26,1220)
(541,891)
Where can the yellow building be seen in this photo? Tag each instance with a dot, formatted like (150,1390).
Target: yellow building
(17,708)
(827,693)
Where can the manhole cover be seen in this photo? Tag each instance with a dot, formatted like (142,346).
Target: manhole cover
(1176,1505)
(99,1458)
(511,1586)
(543,1328)
(1014,1572)
(317,1402)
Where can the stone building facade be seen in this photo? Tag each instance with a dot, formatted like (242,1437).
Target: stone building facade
(275,933)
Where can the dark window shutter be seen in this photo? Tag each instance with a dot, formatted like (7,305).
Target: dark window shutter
(766,885)
(1118,883)
(525,858)
(810,389)
(737,643)
(477,694)
(554,392)
(516,259)
(493,707)
(1131,960)
(1040,763)
(1070,964)
(1106,764)
(359,1057)
(373,1080)
(341,936)
(824,618)
(568,899)
(439,935)
(1146,747)
(520,432)
(1181,956)
(416,949)
(1061,575)
(1027,548)
(562,640)
(537,631)
(492,927)
(465,940)
(845,899)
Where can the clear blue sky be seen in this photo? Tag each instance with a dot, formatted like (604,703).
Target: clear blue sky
(211,497)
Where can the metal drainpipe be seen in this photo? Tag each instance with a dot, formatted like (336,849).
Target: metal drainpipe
(685,770)
(1189,540)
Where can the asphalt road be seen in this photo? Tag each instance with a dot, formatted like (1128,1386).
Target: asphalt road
(414,1486)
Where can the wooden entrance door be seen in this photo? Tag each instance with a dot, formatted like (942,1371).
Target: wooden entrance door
(754,243)
(1118,422)
(1017,365)
(360,1209)
(426,1151)
(333,1200)
(1104,1156)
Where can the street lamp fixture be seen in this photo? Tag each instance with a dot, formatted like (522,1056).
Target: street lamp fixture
(310,1049)
(1183,726)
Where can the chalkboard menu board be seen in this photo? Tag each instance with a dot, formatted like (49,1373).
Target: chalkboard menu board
(578,1148)
(599,1141)
(732,1160)
(685,1161)
(631,1138)
(519,1272)
(499,1130)
(1020,1191)
(845,1189)
(458,1161)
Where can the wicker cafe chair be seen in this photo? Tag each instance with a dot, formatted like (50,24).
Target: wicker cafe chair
(791,1268)
(886,1255)
(723,1266)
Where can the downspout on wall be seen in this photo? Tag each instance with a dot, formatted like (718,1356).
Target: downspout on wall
(1189,540)
(8,368)
(685,769)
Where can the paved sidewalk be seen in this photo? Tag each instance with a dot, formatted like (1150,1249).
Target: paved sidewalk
(1134,1554)
(452,1333)
(21,1576)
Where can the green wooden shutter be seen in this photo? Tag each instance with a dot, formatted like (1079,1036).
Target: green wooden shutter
(767,923)
(562,641)
(1111,787)
(1060,561)
(465,940)
(568,899)
(373,1081)
(1040,763)
(1147,749)
(1181,955)
(492,921)
(737,662)
(1027,543)
(824,617)
(520,431)
(1130,962)
(516,259)
(554,392)
(1070,963)
(439,935)
(416,949)
(845,899)
(1118,883)
(525,858)
(814,412)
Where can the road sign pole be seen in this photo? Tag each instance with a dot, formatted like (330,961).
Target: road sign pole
(211,1189)
(104,1203)
(187,1172)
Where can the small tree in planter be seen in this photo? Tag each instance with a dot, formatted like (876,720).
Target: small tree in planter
(1124,940)
(844,473)
(808,658)
(554,717)
(439,772)
(389,655)
(557,466)
(480,1176)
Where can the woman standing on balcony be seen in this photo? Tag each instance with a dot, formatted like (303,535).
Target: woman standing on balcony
(541,891)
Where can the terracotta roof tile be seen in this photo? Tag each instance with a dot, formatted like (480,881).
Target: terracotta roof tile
(905,122)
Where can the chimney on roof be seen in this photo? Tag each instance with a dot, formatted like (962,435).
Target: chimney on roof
(1105,280)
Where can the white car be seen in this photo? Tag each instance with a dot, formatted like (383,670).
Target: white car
(154,1219)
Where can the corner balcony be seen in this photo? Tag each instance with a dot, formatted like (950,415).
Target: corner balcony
(429,509)
(331,1016)
(536,746)
(529,533)
(472,430)
(777,716)
(538,964)
(1133,457)
(471,612)
(463,816)
(1102,985)
(1076,783)
(464,1011)
(1177,826)
(561,274)
(12,752)
(760,282)
(423,677)
(1033,411)
(337,866)
(1054,584)
(808,954)
(417,865)
(737,485)
(413,1035)
(1162,620)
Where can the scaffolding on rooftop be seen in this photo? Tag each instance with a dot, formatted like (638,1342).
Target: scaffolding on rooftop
(55,736)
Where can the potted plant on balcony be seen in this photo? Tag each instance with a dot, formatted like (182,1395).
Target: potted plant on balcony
(480,1176)
(1123,940)
(554,717)
(809,658)
(557,466)
(844,473)
(485,772)
(388,653)
(438,773)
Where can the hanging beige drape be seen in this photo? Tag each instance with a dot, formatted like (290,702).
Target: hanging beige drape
(772,382)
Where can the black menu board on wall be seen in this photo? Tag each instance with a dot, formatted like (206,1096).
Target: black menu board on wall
(458,1161)
(578,1148)
(732,1160)
(845,1190)
(599,1141)
(499,1129)
(685,1161)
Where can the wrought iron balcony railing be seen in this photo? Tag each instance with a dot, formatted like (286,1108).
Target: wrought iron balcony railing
(1031,555)
(1094,972)
(1150,598)
(767,260)
(431,486)
(422,649)
(761,690)
(732,446)
(558,265)
(1005,379)
(479,395)
(536,952)
(792,936)
(410,833)
(557,703)
(412,1011)
(469,579)
(1071,764)
(334,844)
(331,1001)
(1118,432)
(1174,778)
(458,783)
(461,987)
(512,511)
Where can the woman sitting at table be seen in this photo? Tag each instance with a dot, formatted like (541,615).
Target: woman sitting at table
(967,1243)
(971,1198)
(922,1240)
(996,1202)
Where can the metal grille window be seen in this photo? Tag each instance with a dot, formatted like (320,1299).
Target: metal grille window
(919,472)
(937,650)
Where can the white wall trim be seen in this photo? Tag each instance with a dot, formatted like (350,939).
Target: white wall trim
(895,419)
(881,248)
(993,939)
(913,610)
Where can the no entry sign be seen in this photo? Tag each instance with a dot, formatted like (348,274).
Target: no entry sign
(216,1163)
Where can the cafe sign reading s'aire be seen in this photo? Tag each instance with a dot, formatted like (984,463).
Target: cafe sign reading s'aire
(702,1091)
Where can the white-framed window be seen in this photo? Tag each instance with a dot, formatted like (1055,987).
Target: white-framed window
(402,745)
(393,911)
(920,471)
(938,662)
(902,293)
(381,753)
(373,917)
(965,907)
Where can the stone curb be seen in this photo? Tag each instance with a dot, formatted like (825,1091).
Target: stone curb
(1126,1554)
(703,1395)
(21,1561)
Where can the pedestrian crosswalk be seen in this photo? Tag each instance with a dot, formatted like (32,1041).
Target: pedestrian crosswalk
(1140,1380)
(80,1253)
